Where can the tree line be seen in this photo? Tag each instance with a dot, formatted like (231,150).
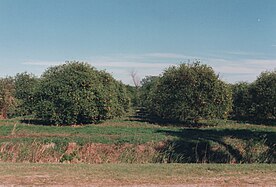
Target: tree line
(77,93)
(72,93)
(190,92)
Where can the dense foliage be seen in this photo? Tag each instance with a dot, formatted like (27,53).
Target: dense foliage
(8,102)
(76,93)
(25,89)
(147,92)
(187,93)
(256,100)
(263,92)
(241,100)
(133,93)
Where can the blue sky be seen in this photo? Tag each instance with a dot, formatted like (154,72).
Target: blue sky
(236,37)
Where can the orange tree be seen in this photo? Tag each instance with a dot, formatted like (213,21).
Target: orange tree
(263,96)
(256,101)
(25,88)
(188,92)
(8,102)
(77,93)
(241,100)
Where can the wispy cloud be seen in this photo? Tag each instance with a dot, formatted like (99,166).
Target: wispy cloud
(129,64)
(241,70)
(120,65)
(42,63)
(263,63)
(255,65)
(168,55)
(241,53)
(273,45)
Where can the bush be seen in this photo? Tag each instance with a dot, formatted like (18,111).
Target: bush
(25,88)
(133,95)
(256,101)
(187,93)
(241,100)
(147,92)
(8,102)
(76,93)
(263,92)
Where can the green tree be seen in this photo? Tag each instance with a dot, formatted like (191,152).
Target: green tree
(189,92)
(242,100)
(76,93)
(25,89)
(7,100)
(147,95)
(263,94)
(133,95)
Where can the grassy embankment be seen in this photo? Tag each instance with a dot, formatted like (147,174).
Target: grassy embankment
(130,140)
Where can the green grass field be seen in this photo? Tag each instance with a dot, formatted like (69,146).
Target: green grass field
(136,141)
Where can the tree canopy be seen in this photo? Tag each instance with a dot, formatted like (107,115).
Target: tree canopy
(77,93)
(187,92)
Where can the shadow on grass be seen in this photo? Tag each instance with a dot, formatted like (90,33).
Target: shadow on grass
(220,146)
(266,122)
(196,143)
(143,116)
(36,122)
(49,123)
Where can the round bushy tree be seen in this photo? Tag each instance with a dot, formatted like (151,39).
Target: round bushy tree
(76,93)
(190,92)
(25,86)
(263,94)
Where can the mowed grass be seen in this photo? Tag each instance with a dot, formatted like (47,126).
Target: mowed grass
(120,130)
(137,174)
(110,132)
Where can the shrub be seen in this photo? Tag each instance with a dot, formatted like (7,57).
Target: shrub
(25,87)
(187,93)
(133,95)
(147,92)
(76,93)
(8,102)
(263,92)
(241,100)
(256,101)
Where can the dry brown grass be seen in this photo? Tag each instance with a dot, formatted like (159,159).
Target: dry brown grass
(92,153)
(137,174)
